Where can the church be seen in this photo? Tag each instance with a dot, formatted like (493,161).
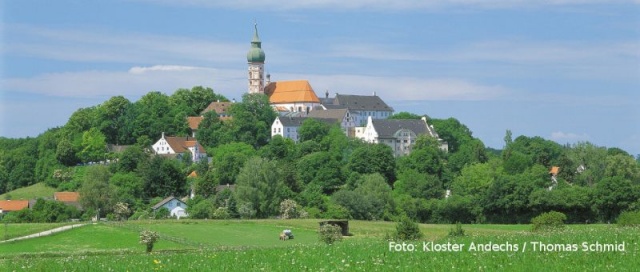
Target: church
(286,97)
(359,116)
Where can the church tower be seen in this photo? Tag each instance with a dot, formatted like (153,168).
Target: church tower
(255,58)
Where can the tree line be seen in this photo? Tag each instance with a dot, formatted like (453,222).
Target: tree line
(326,174)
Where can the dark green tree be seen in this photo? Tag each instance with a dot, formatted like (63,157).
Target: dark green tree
(374,158)
(94,146)
(312,129)
(110,117)
(252,119)
(321,169)
(162,177)
(96,192)
(259,185)
(403,115)
(228,159)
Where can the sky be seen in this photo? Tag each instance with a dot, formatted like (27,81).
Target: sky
(564,70)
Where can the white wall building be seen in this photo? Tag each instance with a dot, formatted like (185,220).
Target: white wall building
(287,127)
(400,135)
(179,145)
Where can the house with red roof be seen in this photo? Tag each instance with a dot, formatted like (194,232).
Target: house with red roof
(7,206)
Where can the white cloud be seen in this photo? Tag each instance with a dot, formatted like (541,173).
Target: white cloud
(564,137)
(169,68)
(116,47)
(133,83)
(504,51)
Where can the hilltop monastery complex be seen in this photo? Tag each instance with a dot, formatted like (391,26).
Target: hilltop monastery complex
(359,116)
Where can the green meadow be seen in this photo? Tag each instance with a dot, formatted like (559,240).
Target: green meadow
(253,245)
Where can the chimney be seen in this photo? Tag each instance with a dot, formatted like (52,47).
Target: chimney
(268,79)
(233,100)
(326,94)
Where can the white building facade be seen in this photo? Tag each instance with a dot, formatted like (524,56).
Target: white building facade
(179,145)
(400,135)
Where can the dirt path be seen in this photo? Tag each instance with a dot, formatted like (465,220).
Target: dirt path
(44,233)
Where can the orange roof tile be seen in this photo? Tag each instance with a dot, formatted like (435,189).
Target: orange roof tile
(66,196)
(194,122)
(554,170)
(13,205)
(299,91)
(193,174)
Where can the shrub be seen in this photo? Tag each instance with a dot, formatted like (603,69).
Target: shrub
(629,219)
(140,215)
(406,229)
(335,211)
(221,213)
(330,233)
(246,211)
(289,209)
(548,221)
(121,210)
(456,231)
(162,213)
(313,212)
(149,238)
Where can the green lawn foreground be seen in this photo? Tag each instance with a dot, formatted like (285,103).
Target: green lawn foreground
(366,251)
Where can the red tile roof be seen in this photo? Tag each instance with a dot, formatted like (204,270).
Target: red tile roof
(299,91)
(13,205)
(194,122)
(66,196)
(554,170)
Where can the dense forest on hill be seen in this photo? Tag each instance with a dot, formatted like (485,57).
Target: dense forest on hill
(327,175)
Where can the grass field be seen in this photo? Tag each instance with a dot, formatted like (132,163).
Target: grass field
(252,245)
(8,231)
(38,190)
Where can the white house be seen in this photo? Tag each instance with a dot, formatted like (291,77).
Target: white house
(175,206)
(400,135)
(287,127)
(179,145)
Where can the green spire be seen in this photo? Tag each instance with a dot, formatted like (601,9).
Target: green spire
(256,54)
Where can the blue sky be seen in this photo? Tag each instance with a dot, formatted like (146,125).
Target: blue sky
(565,70)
